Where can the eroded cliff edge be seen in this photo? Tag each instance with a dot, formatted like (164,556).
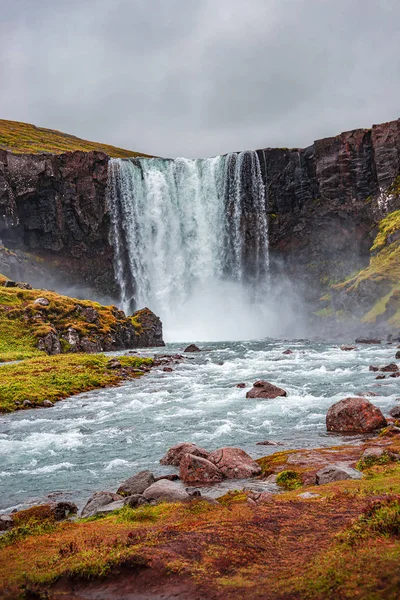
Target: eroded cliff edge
(324,205)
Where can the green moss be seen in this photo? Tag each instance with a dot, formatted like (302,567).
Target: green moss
(289,480)
(370,461)
(56,377)
(23,138)
(387,227)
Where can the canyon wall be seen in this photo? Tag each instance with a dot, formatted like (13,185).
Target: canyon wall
(323,202)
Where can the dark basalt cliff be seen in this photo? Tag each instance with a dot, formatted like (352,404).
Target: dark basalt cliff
(324,203)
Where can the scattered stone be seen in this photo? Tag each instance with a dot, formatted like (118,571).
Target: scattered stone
(97,501)
(368,341)
(264,389)
(288,351)
(267,443)
(192,348)
(41,302)
(167,370)
(136,484)
(336,473)
(166,491)
(395,412)
(354,415)
(380,377)
(241,385)
(176,453)
(6,522)
(347,348)
(234,463)
(196,469)
(62,510)
(114,363)
(397,355)
(308,495)
(27,403)
(372,368)
(47,403)
(135,500)
(397,374)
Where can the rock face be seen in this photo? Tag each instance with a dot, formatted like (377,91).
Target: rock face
(354,415)
(198,470)
(264,389)
(176,453)
(234,463)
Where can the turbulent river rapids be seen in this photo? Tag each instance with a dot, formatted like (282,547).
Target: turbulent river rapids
(96,440)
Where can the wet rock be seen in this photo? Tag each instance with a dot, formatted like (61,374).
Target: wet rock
(396,374)
(234,463)
(267,443)
(391,368)
(41,302)
(241,385)
(47,403)
(354,415)
(380,377)
(176,453)
(167,369)
(395,412)
(136,484)
(97,501)
(114,363)
(192,348)
(370,394)
(288,351)
(264,389)
(166,491)
(135,500)
(397,355)
(347,348)
(50,344)
(6,522)
(368,341)
(170,477)
(150,334)
(195,470)
(336,473)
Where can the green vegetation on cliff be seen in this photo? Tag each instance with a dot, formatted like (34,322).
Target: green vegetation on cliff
(23,138)
(53,378)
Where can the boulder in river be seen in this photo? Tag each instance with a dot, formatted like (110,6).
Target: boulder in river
(288,351)
(97,501)
(136,484)
(264,389)
(234,463)
(192,348)
(347,348)
(354,415)
(166,491)
(196,470)
(391,368)
(176,453)
(336,473)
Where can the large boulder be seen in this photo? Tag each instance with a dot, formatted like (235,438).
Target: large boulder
(176,453)
(166,491)
(136,484)
(354,415)
(264,389)
(195,470)
(234,463)
(192,348)
(336,473)
(97,501)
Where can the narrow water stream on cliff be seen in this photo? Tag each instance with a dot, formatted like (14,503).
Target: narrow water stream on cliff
(95,440)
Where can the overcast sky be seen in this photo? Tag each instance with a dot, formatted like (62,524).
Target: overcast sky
(200,77)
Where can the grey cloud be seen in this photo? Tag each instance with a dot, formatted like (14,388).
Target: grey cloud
(179,77)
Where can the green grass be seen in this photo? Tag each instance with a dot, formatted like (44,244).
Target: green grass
(23,138)
(56,377)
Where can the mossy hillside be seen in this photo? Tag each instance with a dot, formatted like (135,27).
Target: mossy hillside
(56,377)
(23,323)
(348,536)
(23,138)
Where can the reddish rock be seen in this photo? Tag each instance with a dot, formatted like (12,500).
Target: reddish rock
(354,415)
(347,348)
(241,385)
(392,368)
(264,389)
(288,351)
(167,369)
(234,463)
(195,469)
(176,453)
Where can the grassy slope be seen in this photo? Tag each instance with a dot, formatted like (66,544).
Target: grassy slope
(23,138)
(22,322)
(56,377)
(343,544)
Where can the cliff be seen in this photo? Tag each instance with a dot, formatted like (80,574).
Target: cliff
(324,204)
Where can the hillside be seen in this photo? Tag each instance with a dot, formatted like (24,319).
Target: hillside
(23,138)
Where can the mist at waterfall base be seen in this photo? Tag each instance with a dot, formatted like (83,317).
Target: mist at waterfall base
(190,241)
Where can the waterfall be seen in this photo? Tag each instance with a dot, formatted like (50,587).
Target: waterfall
(184,228)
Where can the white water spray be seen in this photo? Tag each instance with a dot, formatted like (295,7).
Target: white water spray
(190,241)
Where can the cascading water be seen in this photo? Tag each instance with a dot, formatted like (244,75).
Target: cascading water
(190,241)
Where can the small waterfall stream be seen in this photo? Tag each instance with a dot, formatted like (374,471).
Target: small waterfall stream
(186,230)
